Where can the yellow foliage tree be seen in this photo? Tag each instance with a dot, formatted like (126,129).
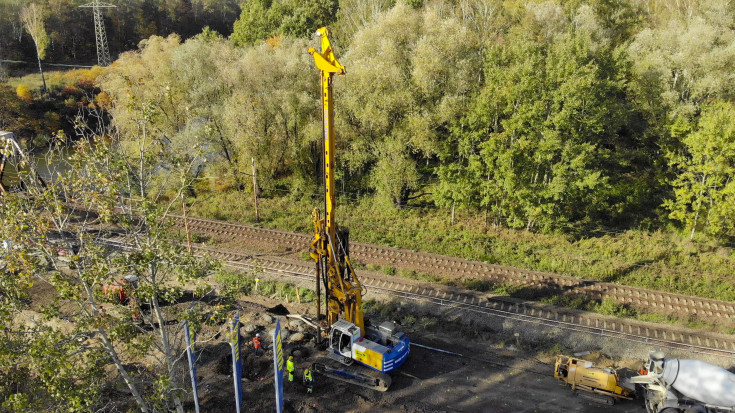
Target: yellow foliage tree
(24,94)
(103,101)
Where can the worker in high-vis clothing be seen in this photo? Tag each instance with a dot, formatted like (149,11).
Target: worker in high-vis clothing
(308,380)
(290,368)
(256,343)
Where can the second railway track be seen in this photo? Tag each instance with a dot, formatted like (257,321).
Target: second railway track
(633,331)
(452,267)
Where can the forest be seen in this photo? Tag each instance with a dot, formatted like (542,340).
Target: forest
(540,115)
(592,138)
(70,28)
(551,116)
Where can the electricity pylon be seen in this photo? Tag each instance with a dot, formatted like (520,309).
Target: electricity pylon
(103,53)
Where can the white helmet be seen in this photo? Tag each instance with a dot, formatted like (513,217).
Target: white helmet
(257,335)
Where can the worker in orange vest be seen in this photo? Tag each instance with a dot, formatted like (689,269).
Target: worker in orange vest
(256,343)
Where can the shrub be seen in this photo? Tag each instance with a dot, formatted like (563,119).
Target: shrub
(103,101)
(24,94)
(608,306)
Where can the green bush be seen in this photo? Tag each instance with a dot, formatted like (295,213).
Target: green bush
(234,285)
(611,307)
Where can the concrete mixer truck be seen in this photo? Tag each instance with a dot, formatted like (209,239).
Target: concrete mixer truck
(685,386)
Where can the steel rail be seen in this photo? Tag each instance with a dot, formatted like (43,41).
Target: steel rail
(646,299)
(482,307)
(294,271)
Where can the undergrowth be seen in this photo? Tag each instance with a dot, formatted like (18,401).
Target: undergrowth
(234,285)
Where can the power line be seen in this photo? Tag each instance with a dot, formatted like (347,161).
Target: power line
(47,64)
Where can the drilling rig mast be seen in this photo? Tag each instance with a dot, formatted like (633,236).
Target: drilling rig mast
(375,350)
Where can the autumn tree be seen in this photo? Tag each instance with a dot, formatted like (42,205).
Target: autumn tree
(208,92)
(353,15)
(63,243)
(687,60)
(33,17)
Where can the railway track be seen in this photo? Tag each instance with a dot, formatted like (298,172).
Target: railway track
(633,331)
(457,268)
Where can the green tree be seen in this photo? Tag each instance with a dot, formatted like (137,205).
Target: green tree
(306,16)
(409,76)
(538,143)
(261,19)
(66,249)
(704,189)
(258,20)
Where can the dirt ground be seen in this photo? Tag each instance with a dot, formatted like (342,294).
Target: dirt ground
(491,377)
(493,371)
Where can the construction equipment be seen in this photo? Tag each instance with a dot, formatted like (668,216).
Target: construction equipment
(598,384)
(679,386)
(381,348)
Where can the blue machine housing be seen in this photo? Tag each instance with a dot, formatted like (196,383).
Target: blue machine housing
(396,355)
(383,348)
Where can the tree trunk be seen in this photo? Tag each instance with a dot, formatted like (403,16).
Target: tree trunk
(225,145)
(110,348)
(40,70)
(696,215)
(2,170)
(255,190)
(166,345)
(121,369)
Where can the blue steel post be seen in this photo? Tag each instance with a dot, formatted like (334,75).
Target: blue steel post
(278,366)
(236,361)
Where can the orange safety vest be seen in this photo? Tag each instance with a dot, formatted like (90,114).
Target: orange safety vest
(256,342)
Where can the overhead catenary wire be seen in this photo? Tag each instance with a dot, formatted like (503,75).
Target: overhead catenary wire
(47,64)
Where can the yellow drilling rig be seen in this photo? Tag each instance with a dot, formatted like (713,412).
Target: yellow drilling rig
(376,349)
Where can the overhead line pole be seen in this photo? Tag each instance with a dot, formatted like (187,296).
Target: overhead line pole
(103,52)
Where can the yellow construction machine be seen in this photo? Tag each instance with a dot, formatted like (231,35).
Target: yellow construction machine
(598,384)
(377,349)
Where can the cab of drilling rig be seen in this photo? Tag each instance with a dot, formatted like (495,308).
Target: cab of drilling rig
(383,348)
